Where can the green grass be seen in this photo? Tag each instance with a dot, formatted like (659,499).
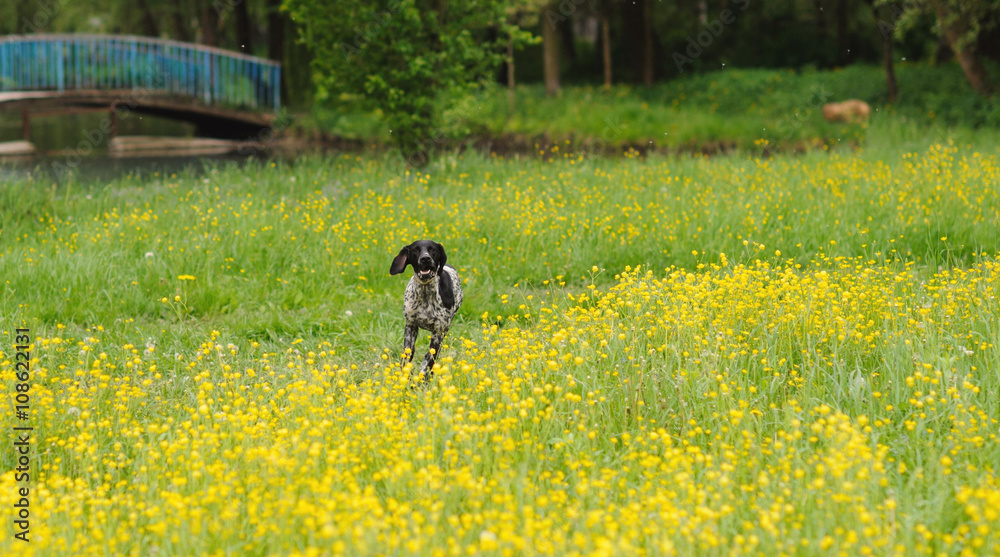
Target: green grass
(724,109)
(299,235)
(312,239)
(214,355)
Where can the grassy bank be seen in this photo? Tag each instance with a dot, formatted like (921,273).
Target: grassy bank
(658,355)
(727,109)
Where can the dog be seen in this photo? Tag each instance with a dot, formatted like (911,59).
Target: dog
(432,297)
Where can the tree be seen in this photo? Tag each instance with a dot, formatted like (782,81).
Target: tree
(885,20)
(275,31)
(648,55)
(638,19)
(244,39)
(960,22)
(181,24)
(568,38)
(605,11)
(399,56)
(518,14)
(843,32)
(209,22)
(555,16)
(550,49)
(149,25)
(961,27)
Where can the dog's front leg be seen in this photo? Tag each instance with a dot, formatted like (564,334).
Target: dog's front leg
(435,348)
(409,342)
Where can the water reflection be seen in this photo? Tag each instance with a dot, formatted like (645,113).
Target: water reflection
(72,148)
(84,134)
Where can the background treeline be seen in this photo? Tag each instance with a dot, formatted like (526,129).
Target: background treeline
(631,41)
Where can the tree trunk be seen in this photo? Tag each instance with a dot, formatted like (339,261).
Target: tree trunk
(885,22)
(606,44)
(510,73)
(243,37)
(568,42)
(182,31)
(943,53)
(843,32)
(648,64)
(890,71)
(968,58)
(275,31)
(637,22)
(821,30)
(209,24)
(550,51)
(276,40)
(149,26)
(988,43)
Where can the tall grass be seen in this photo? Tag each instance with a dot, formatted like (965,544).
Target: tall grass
(654,355)
(316,235)
(731,108)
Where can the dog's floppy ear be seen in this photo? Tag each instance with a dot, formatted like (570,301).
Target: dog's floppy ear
(444,257)
(446,290)
(445,287)
(400,262)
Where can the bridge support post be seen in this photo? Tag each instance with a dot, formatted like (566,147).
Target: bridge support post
(114,120)
(25,125)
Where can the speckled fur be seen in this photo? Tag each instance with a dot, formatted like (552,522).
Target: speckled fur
(423,307)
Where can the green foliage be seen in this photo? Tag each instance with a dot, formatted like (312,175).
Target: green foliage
(729,108)
(977,16)
(401,55)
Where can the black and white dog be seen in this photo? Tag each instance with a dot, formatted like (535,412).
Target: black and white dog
(432,297)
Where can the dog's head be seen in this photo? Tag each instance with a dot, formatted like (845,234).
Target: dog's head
(427,259)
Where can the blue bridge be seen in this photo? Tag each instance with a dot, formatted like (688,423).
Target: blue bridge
(226,94)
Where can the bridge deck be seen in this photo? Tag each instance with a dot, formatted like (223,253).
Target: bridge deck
(145,102)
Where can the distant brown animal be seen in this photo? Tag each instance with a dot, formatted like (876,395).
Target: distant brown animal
(852,110)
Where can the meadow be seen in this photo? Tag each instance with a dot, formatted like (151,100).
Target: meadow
(655,356)
(725,110)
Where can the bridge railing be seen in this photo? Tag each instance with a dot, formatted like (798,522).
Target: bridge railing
(141,64)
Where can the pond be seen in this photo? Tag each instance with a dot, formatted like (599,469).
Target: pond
(75,145)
